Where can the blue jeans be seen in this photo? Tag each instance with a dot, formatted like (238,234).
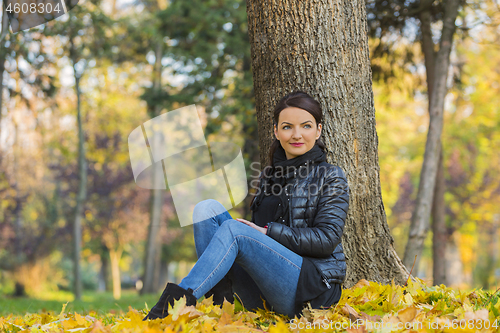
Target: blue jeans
(258,266)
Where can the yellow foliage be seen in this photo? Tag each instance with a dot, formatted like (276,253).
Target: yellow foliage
(366,307)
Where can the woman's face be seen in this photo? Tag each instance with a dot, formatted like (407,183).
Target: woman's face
(297,131)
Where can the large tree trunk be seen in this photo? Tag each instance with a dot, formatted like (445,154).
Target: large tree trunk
(153,245)
(321,47)
(439,232)
(420,218)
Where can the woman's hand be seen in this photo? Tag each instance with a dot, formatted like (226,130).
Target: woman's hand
(253,225)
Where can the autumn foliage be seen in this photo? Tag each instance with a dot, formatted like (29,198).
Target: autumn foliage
(366,307)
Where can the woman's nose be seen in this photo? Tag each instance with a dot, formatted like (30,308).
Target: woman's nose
(296,134)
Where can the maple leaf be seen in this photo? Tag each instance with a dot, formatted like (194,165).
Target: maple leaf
(61,315)
(367,317)
(407,314)
(361,283)
(348,310)
(225,319)
(227,307)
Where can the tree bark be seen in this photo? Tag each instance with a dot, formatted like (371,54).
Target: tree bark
(428,49)
(321,47)
(421,215)
(439,232)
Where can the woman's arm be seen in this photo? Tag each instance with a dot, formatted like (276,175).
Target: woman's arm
(322,238)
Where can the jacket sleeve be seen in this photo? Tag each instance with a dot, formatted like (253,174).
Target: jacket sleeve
(325,233)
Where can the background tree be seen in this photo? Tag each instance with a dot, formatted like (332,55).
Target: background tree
(437,73)
(389,23)
(86,40)
(3,51)
(27,85)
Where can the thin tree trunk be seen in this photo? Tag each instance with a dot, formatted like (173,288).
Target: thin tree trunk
(82,187)
(164,274)
(420,218)
(114,256)
(154,242)
(439,232)
(17,211)
(5,29)
(157,264)
(428,47)
(493,250)
(104,273)
(488,255)
(454,265)
(19,289)
(321,47)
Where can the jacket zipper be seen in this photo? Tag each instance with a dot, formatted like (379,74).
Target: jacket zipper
(326,281)
(290,202)
(323,276)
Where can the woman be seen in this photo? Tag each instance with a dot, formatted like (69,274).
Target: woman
(291,253)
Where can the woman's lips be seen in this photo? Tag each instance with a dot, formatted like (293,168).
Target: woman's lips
(296,144)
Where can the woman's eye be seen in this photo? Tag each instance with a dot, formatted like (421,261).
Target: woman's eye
(307,126)
(286,127)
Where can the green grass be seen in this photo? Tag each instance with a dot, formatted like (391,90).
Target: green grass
(91,301)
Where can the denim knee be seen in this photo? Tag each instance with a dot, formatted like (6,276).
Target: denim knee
(206,209)
(236,228)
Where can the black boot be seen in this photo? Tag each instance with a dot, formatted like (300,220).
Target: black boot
(221,290)
(171,293)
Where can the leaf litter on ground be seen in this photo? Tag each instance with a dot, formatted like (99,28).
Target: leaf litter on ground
(365,307)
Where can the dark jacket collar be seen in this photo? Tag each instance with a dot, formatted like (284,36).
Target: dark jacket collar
(283,169)
(290,168)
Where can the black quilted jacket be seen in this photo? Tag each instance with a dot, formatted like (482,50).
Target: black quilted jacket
(317,201)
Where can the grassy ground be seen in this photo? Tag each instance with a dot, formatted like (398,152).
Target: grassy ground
(91,301)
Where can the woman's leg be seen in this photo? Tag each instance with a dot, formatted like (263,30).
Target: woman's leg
(274,268)
(208,215)
(245,288)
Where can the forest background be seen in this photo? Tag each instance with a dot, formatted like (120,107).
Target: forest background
(83,82)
